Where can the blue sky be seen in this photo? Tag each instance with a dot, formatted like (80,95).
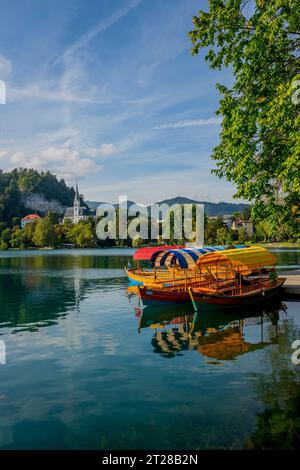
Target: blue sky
(107,91)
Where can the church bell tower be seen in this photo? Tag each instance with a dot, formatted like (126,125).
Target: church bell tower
(76,205)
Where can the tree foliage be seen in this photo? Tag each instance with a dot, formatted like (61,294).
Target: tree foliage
(259,140)
(44,234)
(20,182)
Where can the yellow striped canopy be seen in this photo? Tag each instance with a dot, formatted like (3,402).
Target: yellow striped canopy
(245,259)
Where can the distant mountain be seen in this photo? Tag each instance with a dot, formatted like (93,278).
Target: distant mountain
(211,208)
(95,204)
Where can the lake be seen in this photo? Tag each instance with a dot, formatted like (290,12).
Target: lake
(86,368)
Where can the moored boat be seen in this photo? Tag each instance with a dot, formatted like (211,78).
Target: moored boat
(168,264)
(236,297)
(228,279)
(159,296)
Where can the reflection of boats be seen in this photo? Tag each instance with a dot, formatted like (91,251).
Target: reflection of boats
(231,278)
(221,337)
(228,344)
(169,264)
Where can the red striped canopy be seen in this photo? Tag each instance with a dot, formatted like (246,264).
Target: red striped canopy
(148,251)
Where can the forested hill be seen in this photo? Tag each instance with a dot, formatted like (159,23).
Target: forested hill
(211,208)
(24,190)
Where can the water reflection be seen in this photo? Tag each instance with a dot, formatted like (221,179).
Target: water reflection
(78,374)
(219,335)
(278,389)
(32,300)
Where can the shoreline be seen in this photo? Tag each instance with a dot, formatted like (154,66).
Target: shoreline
(48,248)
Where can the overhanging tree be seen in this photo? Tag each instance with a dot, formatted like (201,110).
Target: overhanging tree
(259,141)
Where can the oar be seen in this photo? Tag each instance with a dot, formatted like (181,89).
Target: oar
(192,299)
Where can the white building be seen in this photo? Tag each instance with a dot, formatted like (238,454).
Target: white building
(77,213)
(243,224)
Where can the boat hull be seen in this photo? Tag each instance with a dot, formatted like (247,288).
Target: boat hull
(215,301)
(161,298)
(166,297)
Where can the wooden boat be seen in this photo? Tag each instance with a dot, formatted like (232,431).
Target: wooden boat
(235,297)
(169,265)
(152,277)
(161,296)
(228,279)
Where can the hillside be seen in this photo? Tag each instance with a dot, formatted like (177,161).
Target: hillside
(211,208)
(25,190)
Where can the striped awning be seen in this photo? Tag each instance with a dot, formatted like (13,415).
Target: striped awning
(146,252)
(184,258)
(245,260)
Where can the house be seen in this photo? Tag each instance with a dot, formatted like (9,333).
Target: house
(228,219)
(77,212)
(238,225)
(28,219)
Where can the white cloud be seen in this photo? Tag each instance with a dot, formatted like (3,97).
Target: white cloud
(46,92)
(63,160)
(3,153)
(108,149)
(189,123)
(18,158)
(5,67)
(103,150)
(99,28)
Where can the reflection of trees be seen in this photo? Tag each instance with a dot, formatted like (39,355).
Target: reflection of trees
(35,299)
(36,290)
(278,426)
(61,262)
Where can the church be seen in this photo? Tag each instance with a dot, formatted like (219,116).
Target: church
(77,213)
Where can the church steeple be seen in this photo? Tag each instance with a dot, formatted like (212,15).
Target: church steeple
(76,205)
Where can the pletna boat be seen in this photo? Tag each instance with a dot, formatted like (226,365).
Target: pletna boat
(256,280)
(232,278)
(168,264)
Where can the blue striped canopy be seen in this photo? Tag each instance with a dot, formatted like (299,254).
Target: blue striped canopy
(184,257)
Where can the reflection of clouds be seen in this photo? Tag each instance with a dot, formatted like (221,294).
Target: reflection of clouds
(109,344)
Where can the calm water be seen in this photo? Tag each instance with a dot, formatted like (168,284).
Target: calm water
(86,369)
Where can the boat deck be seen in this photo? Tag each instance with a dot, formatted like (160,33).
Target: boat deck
(291,287)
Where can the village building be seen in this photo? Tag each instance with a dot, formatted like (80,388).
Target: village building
(77,213)
(28,219)
(238,225)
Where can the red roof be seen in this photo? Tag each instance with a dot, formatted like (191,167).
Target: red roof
(147,252)
(31,217)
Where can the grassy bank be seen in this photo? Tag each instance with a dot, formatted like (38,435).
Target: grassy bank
(279,245)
